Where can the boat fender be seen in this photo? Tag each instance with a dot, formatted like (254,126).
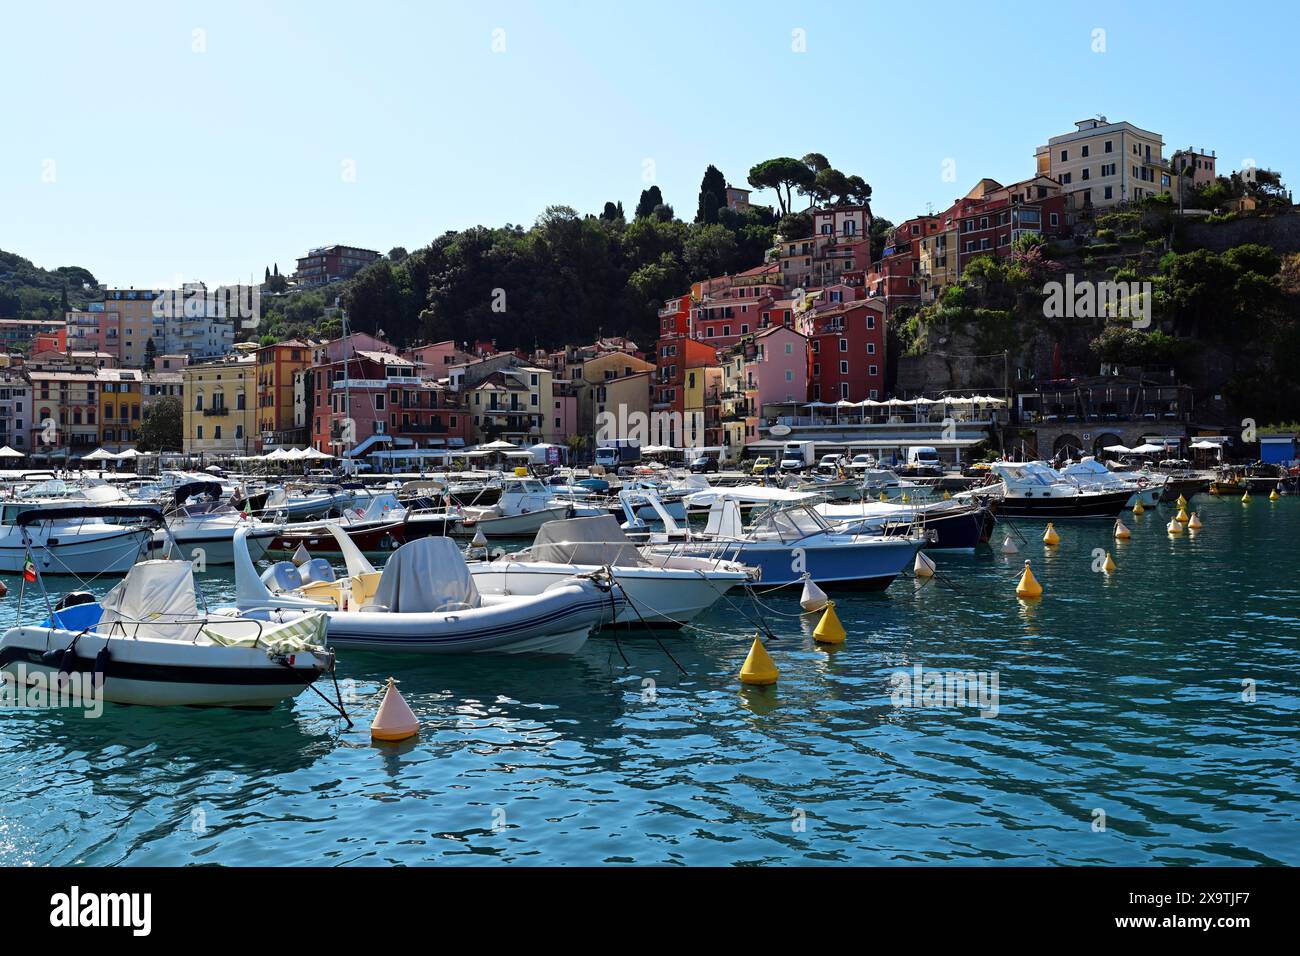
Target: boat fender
(52,658)
(101,661)
(68,661)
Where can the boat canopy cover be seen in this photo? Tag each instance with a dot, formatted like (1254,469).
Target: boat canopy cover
(427,574)
(592,541)
(750,494)
(118,514)
(193,489)
(155,600)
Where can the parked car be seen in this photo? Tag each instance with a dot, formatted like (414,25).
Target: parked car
(704,465)
(762,466)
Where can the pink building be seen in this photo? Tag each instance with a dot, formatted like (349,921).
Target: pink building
(778,368)
(435,360)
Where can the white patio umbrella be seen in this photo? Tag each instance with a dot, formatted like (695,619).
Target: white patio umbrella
(129,453)
(1147,449)
(99,454)
(1118,449)
(315,453)
(7,452)
(278,454)
(498,446)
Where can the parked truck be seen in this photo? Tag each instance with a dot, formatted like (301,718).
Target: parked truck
(618,452)
(798,455)
(923,460)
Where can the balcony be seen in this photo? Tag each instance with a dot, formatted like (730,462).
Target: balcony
(219,411)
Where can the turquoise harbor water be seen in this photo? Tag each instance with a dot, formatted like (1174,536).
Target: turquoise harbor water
(1122,695)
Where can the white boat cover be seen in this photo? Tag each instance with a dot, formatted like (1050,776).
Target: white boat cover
(591,541)
(428,574)
(156,600)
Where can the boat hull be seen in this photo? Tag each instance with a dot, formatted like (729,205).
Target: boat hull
(662,598)
(512,526)
(387,536)
(99,553)
(164,673)
(869,565)
(1107,504)
(555,622)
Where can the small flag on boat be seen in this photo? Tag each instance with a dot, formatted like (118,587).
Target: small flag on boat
(29,570)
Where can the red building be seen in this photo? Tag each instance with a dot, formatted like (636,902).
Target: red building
(846,338)
(991,217)
(330,264)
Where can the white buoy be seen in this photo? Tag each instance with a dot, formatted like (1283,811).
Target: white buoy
(480,539)
(813,598)
(1009,546)
(923,566)
(302,555)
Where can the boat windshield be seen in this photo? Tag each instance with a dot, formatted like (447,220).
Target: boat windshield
(790,523)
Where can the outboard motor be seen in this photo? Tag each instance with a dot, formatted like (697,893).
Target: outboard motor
(281,577)
(317,569)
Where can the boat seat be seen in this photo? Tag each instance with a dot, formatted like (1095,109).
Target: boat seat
(331,591)
(364,587)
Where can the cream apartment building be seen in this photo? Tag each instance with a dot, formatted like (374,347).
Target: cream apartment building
(1102,163)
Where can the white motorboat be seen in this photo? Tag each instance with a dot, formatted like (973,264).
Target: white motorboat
(524,506)
(1090,474)
(204,531)
(316,503)
(790,542)
(148,643)
(63,538)
(424,601)
(661,589)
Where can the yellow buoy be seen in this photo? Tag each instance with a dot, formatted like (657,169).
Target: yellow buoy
(829,630)
(1138,508)
(1109,565)
(1195,522)
(1245,499)
(1182,502)
(1181,517)
(882,496)
(923,566)
(1122,532)
(1028,586)
(758,668)
(905,499)
(947,496)
(395,721)
(1273,495)
(1174,527)
(1050,537)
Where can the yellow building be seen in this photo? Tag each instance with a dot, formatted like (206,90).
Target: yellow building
(220,414)
(121,407)
(608,383)
(1102,163)
(514,404)
(938,260)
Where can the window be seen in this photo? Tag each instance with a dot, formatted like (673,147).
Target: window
(216,433)
(873,369)
(844,368)
(239,431)
(1084,175)
(379,401)
(1109,195)
(1056,218)
(1085,150)
(871,348)
(871,319)
(844,345)
(198,432)
(789,348)
(789,375)
(1108,146)
(1065,155)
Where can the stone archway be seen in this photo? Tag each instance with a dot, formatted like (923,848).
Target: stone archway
(1104,439)
(1068,444)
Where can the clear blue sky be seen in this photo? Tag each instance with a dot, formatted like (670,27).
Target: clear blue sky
(171,163)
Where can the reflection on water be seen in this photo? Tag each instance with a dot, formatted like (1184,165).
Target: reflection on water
(1126,694)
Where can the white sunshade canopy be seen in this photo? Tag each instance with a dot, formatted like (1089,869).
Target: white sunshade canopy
(99,454)
(7,452)
(1148,449)
(1117,449)
(498,446)
(1206,445)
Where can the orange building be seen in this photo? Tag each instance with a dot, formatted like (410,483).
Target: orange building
(276,366)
